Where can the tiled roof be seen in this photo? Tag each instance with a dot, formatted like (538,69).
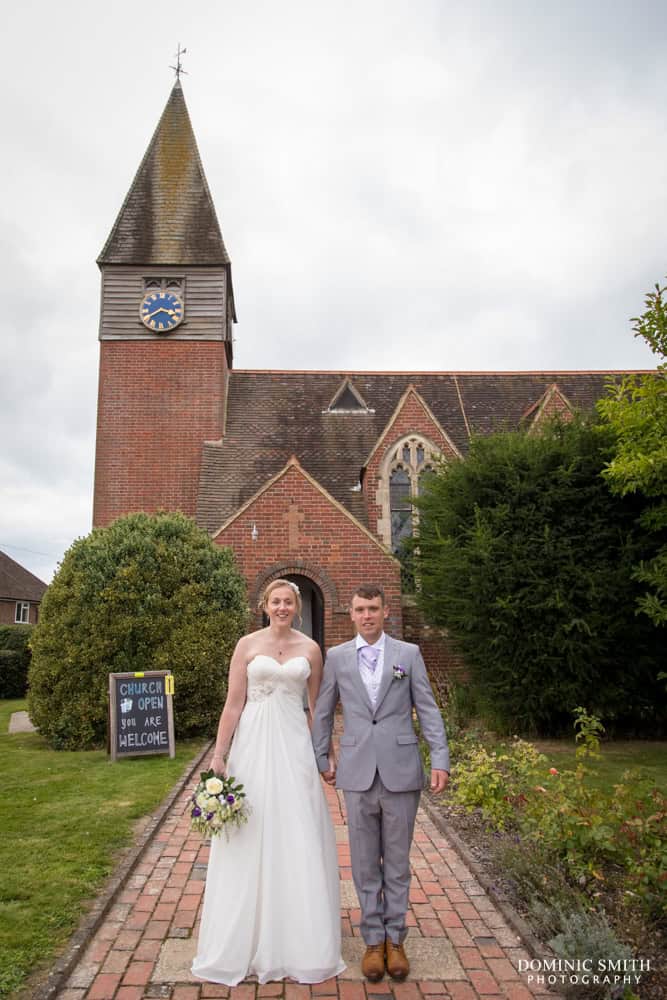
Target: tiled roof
(168,216)
(272,415)
(17,583)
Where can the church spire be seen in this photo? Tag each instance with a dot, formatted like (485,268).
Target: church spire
(168,216)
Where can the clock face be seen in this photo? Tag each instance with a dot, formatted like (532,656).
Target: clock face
(161,311)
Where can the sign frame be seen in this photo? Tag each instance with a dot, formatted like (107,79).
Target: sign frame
(117,754)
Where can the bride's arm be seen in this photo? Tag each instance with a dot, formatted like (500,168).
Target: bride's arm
(231,713)
(315,679)
(314,683)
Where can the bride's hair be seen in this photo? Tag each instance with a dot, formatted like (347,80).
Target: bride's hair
(266,593)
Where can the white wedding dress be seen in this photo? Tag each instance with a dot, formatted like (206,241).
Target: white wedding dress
(271,905)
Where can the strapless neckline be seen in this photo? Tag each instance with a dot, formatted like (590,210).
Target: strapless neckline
(266,656)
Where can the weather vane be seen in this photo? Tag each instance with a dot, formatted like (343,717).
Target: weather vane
(178,69)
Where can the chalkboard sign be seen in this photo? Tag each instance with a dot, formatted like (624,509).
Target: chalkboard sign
(141,714)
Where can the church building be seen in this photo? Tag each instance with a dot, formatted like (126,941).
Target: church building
(305,474)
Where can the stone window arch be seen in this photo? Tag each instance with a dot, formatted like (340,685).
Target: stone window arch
(402,473)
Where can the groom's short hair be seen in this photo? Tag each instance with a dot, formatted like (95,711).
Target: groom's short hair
(368,591)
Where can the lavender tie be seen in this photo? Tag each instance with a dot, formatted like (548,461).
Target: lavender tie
(369,657)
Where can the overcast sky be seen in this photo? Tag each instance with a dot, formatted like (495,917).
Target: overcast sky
(401,184)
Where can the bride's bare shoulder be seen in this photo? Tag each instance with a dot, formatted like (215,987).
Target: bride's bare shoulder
(250,643)
(311,648)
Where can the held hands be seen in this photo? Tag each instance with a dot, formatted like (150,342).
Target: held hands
(330,775)
(439,778)
(439,781)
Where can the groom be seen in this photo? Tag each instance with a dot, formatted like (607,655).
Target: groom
(378,681)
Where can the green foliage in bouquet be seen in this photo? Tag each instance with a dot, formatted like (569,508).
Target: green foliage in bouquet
(526,558)
(14,660)
(149,592)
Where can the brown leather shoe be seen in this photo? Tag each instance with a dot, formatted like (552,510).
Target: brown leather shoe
(372,964)
(398,965)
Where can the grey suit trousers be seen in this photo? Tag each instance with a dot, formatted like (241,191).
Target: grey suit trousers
(381,824)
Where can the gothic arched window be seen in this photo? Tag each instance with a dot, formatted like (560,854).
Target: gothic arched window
(401,509)
(406,466)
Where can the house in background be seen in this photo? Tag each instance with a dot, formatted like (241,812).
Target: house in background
(20,593)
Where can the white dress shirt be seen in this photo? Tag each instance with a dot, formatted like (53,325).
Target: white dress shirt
(372,678)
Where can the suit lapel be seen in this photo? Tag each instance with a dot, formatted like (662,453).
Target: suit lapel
(390,657)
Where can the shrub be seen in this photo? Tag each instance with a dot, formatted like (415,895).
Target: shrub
(149,592)
(459,707)
(14,660)
(562,816)
(497,781)
(586,934)
(567,816)
(527,559)
(561,916)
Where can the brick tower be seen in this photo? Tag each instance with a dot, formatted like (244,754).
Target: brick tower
(167,309)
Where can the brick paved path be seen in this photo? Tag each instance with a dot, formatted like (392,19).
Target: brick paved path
(460,946)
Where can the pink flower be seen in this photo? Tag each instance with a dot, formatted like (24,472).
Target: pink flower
(553,770)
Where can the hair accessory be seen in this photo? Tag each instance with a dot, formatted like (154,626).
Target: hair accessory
(294,587)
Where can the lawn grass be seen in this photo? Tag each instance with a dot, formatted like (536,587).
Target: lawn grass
(648,757)
(65,816)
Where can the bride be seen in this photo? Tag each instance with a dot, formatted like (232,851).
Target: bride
(271,905)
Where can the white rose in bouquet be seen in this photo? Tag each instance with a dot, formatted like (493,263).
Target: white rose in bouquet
(214,786)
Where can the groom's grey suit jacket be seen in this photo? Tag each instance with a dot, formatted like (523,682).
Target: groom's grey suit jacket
(380,738)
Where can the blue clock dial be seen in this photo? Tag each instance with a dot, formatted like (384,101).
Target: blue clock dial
(161,311)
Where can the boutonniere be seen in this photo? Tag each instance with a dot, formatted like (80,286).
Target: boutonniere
(399,672)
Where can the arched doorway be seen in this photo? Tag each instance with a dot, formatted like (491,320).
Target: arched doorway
(312,612)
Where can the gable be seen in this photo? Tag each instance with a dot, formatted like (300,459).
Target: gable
(347,399)
(292,511)
(552,403)
(412,415)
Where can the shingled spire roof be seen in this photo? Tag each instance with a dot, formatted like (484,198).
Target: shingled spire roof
(168,216)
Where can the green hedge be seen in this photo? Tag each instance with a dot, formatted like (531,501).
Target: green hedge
(14,660)
(149,592)
(528,560)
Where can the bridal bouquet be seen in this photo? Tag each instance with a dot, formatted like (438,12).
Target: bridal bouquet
(217,804)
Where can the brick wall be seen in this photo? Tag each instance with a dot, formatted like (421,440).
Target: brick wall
(159,400)
(8,612)
(301,530)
